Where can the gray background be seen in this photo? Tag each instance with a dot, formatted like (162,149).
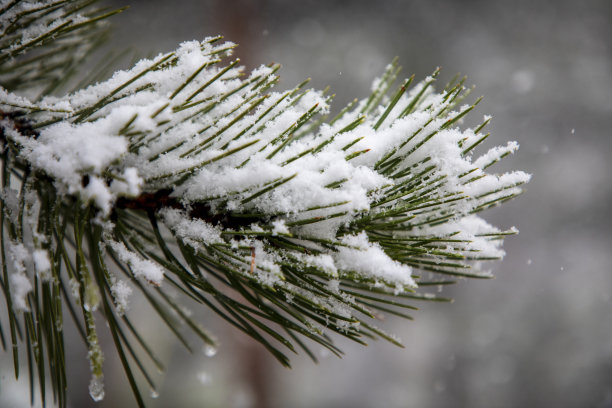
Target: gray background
(540,334)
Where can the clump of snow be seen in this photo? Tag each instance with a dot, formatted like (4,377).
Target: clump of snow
(20,287)
(42,263)
(20,255)
(129,185)
(264,265)
(19,282)
(121,293)
(10,199)
(70,153)
(368,259)
(491,183)
(323,262)
(140,267)
(279,227)
(495,154)
(474,230)
(193,232)
(66,151)
(98,192)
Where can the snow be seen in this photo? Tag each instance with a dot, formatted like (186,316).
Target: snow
(10,200)
(279,227)
(121,293)
(179,149)
(129,185)
(42,263)
(53,20)
(98,192)
(20,255)
(19,282)
(213,141)
(140,267)
(68,153)
(64,149)
(473,229)
(369,260)
(20,287)
(193,232)
(323,262)
(495,182)
(495,154)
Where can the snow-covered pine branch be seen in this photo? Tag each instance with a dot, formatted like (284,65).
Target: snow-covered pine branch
(185,169)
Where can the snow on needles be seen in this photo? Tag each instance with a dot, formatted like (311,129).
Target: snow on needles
(209,134)
(140,267)
(369,259)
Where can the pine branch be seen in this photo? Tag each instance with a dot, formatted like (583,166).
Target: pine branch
(186,174)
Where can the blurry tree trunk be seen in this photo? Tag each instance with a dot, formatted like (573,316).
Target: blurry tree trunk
(241,25)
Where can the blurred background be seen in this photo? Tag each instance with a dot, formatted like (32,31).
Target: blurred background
(540,334)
